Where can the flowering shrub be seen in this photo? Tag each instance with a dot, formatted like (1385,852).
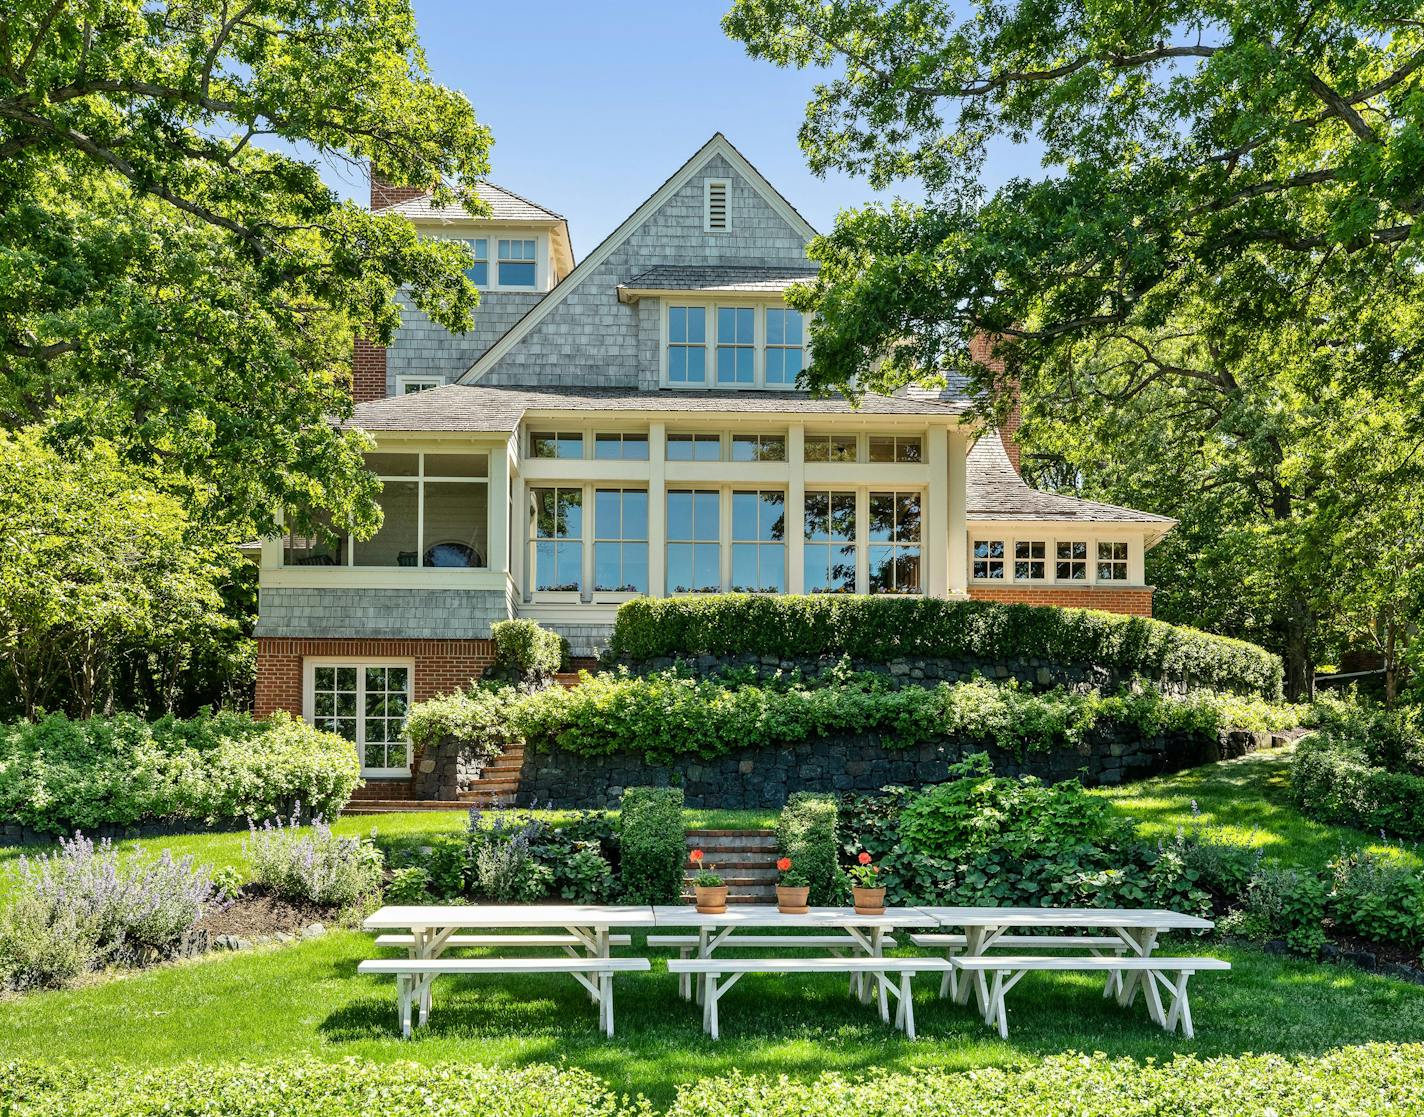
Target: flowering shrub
(313,865)
(85,906)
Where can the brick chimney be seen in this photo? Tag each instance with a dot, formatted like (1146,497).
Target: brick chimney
(368,360)
(981,349)
(384,194)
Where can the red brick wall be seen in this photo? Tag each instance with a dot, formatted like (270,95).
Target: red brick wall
(440,665)
(981,349)
(1136,601)
(383,194)
(368,371)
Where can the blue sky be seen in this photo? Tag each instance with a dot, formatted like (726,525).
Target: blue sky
(594,104)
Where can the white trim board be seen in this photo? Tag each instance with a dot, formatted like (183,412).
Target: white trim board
(717,145)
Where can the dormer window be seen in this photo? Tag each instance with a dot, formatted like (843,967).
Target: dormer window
(714,213)
(785,354)
(736,345)
(479,270)
(516,263)
(733,344)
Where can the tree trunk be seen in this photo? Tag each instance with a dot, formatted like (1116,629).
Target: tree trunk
(1299,661)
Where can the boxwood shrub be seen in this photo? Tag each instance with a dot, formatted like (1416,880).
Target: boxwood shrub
(301,1088)
(806,833)
(881,629)
(58,775)
(654,844)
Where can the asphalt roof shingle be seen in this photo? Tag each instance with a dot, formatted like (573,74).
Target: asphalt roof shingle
(504,204)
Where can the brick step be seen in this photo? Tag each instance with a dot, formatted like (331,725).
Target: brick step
(735,861)
(707,835)
(762,852)
(741,882)
(492,787)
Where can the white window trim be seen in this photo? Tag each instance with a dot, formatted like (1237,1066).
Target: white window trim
(309,666)
(759,307)
(404,383)
(492,237)
(707,186)
(1050,540)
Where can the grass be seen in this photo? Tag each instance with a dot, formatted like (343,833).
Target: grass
(307,999)
(1245,801)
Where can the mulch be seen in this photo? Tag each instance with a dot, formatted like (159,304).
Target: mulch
(261,913)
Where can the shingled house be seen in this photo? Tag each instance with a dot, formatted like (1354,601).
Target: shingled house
(630,425)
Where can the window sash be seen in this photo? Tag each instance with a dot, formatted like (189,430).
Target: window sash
(367,703)
(989,560)
(1071,561)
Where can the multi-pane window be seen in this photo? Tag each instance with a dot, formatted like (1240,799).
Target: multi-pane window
(896,448)
(410,384)
(829,552)
(694,447)
(758,447)
(1112,562)
(989,559)
(830,448)
(1072,562)
(736,345)
(1030,560)
(552,444)
(516,263)
(620,447)
(694,550)
(687,345)
(759,542)
(556,516)
(785,345)
(894,536)
(366,704)
(620,547)
(479,270)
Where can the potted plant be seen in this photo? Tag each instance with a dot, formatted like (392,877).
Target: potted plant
(868,892)
(792,891)
(710,889)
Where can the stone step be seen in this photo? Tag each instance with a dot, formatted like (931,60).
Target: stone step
(492,787)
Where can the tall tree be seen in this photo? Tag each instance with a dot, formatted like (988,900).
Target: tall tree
(174,275)
(1219,269)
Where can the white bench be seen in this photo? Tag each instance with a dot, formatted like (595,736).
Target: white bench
(953,944)
(1007,970)
(568,942)
(415,976)
(879,968)
(687,946)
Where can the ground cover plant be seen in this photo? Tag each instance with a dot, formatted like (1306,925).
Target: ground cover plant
(879,629)
(312,865)
(58,775)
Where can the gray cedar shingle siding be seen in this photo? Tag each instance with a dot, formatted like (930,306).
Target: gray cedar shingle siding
(421,348)
(450,614)
(591,339)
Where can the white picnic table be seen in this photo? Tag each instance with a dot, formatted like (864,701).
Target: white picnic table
(1138,929)
(431,925)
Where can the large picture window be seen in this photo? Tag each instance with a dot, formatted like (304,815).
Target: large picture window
(759,542)
(556,523)
(620,548)
(757,346)
(894,542)
(694,549)
(366,703)
(694,447)
(829,555)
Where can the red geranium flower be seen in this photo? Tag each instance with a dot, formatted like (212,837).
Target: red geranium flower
(784,864)
(696,856)
(863,858)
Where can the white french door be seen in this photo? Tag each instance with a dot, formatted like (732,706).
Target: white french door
(365,702)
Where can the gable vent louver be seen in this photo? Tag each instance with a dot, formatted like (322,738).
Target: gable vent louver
(715,209)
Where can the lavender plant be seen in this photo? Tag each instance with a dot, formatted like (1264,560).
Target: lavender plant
(312,864)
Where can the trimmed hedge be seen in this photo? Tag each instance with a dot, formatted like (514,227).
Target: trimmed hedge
(806,833)
(1368,1081)
(654,845)
(58,775)
(301,1088)
(881,629)
(525,650)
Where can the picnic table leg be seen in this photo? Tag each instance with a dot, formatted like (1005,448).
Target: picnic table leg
(684,981)
(702,952)
(1181,1007)
(605,998)
(1144,940)
(425,938)
(710,991)
(907,1005)
(974,938)
(877,950)
(403,988)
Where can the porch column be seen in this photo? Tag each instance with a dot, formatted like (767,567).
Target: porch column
(795,518)
(936,514)
(657,509)
(958,541)
(498,489)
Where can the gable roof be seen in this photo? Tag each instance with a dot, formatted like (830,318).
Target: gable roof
(717,145)
(482,408)
(504,204)
(714,278)
(995,491)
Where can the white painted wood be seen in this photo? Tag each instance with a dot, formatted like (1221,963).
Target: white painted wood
(1062,962)
(502,965)
(1045,942)
(790,942)
(808,965)
(767,915)
(508,915)
(1157,918)
(503,940)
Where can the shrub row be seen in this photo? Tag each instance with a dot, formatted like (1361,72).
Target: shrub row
(58,775)
(1368,1081)
(525,651)
(881,629)
(666,716)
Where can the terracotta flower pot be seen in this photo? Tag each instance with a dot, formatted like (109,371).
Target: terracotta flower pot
(869,901)
(792,901)
(711,901)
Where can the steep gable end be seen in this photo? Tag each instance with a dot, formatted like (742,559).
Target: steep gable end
(717,209)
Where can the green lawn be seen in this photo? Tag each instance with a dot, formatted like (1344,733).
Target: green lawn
(307,999)
(1245,801)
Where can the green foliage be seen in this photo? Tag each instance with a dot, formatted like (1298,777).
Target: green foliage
(880,629)
(521,857)
(1377,900)
(477,717)
(1363,766)
(1374,1080)
(667,715)
(525,651)
(806,833)
(303,1087)
(313,866)
(1282,903)
(410,885)
(653,844)
(59,775)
